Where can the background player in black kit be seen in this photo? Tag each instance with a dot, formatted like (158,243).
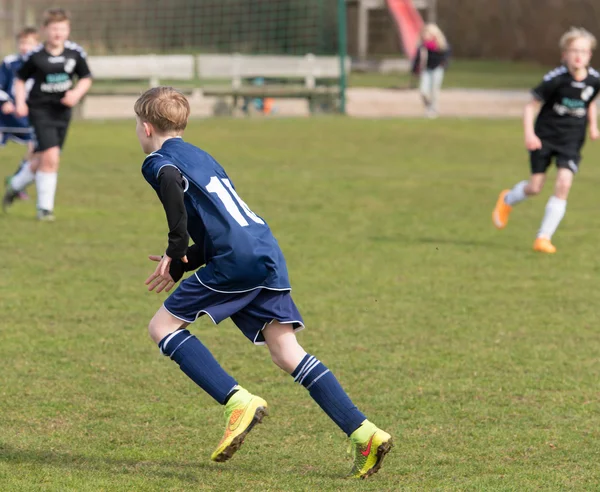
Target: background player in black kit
(53,66)
(567,96)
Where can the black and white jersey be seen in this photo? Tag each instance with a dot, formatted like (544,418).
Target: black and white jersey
(53,75)
(563,118)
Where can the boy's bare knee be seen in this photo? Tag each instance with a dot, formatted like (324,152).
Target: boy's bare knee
(153,329)
(534,189)
(162,324)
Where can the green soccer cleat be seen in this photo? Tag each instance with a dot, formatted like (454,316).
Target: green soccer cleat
(242,412)
(368,447)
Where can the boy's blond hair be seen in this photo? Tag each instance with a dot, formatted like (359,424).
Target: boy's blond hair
(577,33)
(26,32)
(165,108)
(55,15)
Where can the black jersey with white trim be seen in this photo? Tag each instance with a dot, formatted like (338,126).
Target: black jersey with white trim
(563,118)
(53,75)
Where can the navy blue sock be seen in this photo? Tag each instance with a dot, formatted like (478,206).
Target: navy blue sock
(198,364)
(328,393)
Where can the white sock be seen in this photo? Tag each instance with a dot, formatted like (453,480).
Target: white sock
(23,178)
(517,194)
(46,189)
(555,211)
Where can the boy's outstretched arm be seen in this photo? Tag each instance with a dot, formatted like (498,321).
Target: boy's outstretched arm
(20,98)
(532,141)
(593,121)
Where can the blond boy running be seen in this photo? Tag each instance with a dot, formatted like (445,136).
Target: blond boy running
(566,96)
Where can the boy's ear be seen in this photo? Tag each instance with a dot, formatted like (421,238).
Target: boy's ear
(148,129)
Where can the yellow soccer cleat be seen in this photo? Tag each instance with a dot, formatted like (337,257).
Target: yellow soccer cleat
(543,245)
(242,412)
(501,212)
(368,447)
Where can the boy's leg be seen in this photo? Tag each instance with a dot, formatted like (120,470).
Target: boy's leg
(370,444)
(46,180)
(168,329)
(242,409)
(194,359)
(540,160)
(555,211)
(16,184)
(50,132)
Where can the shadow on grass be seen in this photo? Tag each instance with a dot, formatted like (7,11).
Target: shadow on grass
(457,241)
(186,471)
(181,470)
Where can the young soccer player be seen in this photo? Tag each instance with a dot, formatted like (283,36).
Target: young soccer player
(244,278)
(12,128)
(566,96)
(53,66)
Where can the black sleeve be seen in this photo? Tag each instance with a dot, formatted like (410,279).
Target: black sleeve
(544,91)
(27,69)
(171,195)
(81,67)
(195,256)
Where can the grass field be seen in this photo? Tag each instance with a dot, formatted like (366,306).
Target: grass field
(480,357)
(465,74)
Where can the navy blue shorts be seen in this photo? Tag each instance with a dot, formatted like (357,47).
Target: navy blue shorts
(251,311)
(14,129)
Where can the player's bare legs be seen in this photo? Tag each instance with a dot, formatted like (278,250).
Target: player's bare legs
(369,444)
(164,323)
(283,346)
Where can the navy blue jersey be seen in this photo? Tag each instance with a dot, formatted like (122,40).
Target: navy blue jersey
(8,73)
(240,250)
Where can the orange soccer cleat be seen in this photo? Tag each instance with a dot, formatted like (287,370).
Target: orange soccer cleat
(501,212)
(543,245)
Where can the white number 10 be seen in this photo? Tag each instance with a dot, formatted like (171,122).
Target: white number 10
(225,194)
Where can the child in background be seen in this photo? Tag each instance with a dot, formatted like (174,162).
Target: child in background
(12,128)
(430,64)
(567,100)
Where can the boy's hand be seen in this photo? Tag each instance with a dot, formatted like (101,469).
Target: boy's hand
(21,110)
(70,99)
(161,278)
(8,108)
(594,133)
(532,142)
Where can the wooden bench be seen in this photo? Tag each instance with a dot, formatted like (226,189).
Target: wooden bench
(309,77)
(148,68)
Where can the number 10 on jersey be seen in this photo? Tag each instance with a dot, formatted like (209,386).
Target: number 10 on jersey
(223,189)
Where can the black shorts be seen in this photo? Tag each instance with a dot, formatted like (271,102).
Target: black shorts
(566,158)
(49,127)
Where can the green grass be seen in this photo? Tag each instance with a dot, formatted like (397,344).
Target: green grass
(464,74)
(479,356)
